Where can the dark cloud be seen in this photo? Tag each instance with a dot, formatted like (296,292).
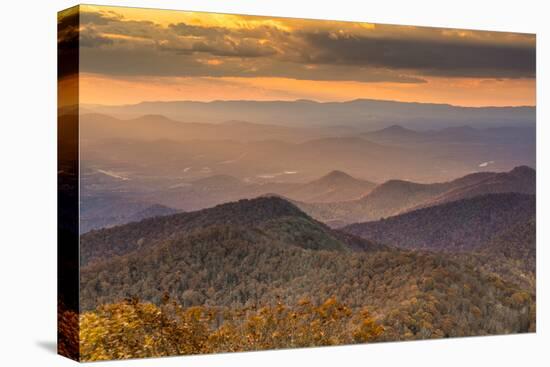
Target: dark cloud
(98,18)
(231,48)
(67,44)
(184,29)
(219,41)
(91,39)
(147,48)
(155,62)
(429,57)
(67,31)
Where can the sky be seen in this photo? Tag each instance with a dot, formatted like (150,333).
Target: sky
(130,55)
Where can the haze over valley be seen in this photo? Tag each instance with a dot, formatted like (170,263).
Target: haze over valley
(432,228)
(153,161)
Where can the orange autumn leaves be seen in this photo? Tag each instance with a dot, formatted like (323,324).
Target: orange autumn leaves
(133,329)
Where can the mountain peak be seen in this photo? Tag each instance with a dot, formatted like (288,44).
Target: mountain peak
(337,175)
(153,117)
(265,207)
(272,215)
(522,170)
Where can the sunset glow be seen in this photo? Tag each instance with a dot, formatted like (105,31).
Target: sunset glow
(132,55)
(99,89)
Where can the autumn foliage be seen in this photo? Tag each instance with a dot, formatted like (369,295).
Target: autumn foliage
(224,280)
(133,329)
(67,332)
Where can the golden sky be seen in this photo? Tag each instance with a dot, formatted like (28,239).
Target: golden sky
(130,55)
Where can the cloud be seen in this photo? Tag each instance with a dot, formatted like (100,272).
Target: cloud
(67,43)
(184,29)
(147,62)
(99,18)
(223,47)
(292,48)
(429,57)
(92,39)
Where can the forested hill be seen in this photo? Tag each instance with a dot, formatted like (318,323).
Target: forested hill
(460,225)
(517,244)
(414,295)
(259,252)
(395,197)
(273,216)
(521,180)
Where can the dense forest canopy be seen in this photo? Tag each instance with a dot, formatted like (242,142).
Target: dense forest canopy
(263,255)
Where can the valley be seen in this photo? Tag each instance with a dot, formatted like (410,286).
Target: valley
(400,234)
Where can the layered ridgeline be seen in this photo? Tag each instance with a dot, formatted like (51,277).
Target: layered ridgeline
(148,150)
(334,186)
(461,225)
(399,135)
(102,208)
(108,210)
(336,198)
(156,127)
(272,217)
(266,251)
(356,113)
(397,196)
(494,233)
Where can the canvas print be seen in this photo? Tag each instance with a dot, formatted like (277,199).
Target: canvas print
(233,183)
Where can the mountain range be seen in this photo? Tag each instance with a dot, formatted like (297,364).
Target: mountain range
(262,251)
(238,208)
(156,150)
(357,113)
(103,211)
(460,225)
(336,198)
(397,196)
(272,216)
(96,126)
(399,135)
(334,186)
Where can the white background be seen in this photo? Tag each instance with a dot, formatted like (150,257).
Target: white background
(28,183)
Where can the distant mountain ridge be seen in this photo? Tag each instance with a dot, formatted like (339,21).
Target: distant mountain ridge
(111,210)
(155,126)
(521,179)
(102,209)
(461,225)
(398,196)
(216,189)
(399,135)
(359,112)
(154,145)
(334,186)
(336,198)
